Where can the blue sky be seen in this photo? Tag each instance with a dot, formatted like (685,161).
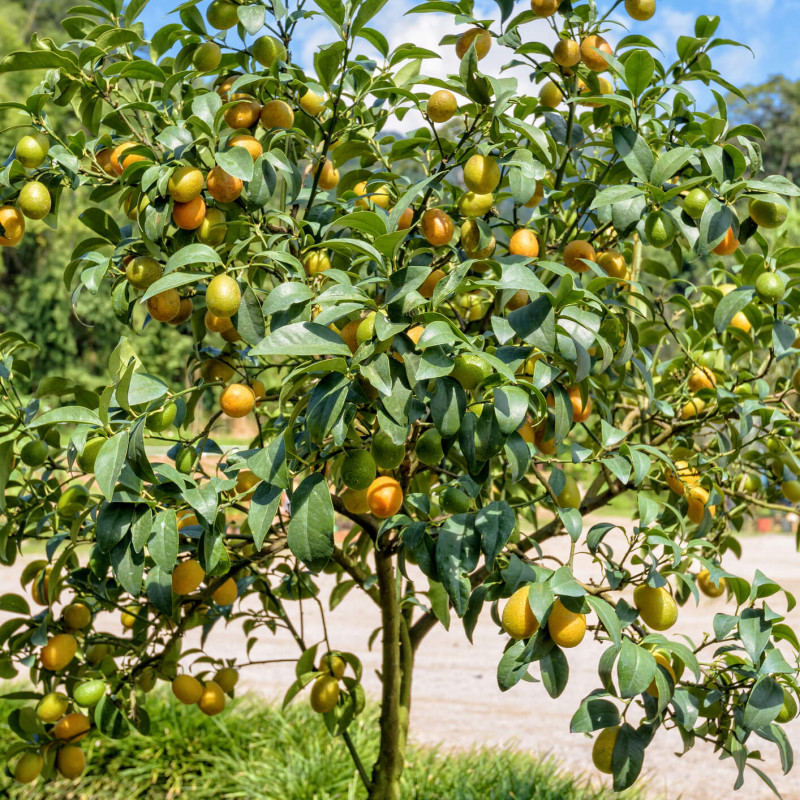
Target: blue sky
(769,27)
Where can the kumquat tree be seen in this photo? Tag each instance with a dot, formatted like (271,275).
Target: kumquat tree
(457,341)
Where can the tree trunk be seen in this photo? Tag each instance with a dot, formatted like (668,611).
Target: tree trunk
(396,674)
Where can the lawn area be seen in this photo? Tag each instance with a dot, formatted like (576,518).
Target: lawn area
(257,752)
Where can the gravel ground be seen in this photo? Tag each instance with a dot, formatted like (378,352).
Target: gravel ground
(456,702)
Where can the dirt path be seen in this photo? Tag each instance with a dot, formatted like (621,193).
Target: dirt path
(456,702)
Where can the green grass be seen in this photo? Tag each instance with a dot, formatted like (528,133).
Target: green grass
(256,752)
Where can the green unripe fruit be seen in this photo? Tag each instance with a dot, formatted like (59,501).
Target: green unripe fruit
(222,15)
(767,214)
(469,370)
(770,288)
(87,457)
(184,459)
(696,201)
(358,470)
(454,501)
(789,708)
(88,694)
(429,447)
(52,707)
(267,50)
(143,271)
(29,767)
(386,453)
(72,501)
(207,57)
(660,229)
(158,421)
(32,150)
(34,453)
(34,200)
(791,491)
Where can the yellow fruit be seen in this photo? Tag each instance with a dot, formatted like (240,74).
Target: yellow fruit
(379,196)
(482,39)
(213,228)
(613,262)
(537,196)
(59,651)
(471,204)
(164,306)
(567,53)
(316,261)
(470,240)
(603,750)
(545,8)
(223,296)
(129,616)
(384,497)
(333,664)
(312,103)
(656,606)
(226,594)
(29,767)
(640,10)
(187,689)
(524,242)
(427,288)
(226,678)
(683,477)
(693,408)
(244,113)
(442,105)
(70,762)
(605,87)
(576,252)
(13,226)
(570,496)
(245,481)
(589,55)
(740,322)
(518,620)
(72,728)
(185,184)
(237,400)
(217,324)
(187,576)
(566,627)
(277,114)
(212,699)
(143,271)
(77,616)
(550,95)
(324,694)
(52,707)
(701,378)
(328,177)
(698,503)
(249,143)
(708,587)
(481,174)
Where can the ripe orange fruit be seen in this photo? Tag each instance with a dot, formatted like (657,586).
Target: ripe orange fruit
(406,218)
(73,727)
(328,177)
(244,113)
(277,114)
(426,290)
(250,143)
(118,163)
(482,39)
(728,246)
(187,576)
(436,227)
(384,497)
(59,651)
(312,103)
(683,476)
(224,188)
(103,158)
(698,502)
(701,378)
(613,262)
(223,296)
(523,242)
(567,53)
(592,59)
(226,593)
(184,311)
(189,216)
(70,762)
(217,324)
(580,412)
(164,306)
(237,400)
(577,250)
(13,223)
(545,8)
(740,322)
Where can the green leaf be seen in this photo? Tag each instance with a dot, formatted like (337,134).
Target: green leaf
(754,631)
(594,714)
(109,463)
(555,671)
(328,63)
(73,414)
(263,508)
(639,70)
(23,60)
(628,757)
(249,320)
(448,406)
(369,8)
(326,405)
(163,542)
(608,618)
(730,305)
(113,522)
(311,527)
(192,254)
(495,523)
(513,666)
(457,552)
(669,163)
(173,281)
(763,704)
(615,194)
(510,408)
(6,464)
(301,339)
(634,151)
(636,669)
(128,566)
(237,162)
(252,17)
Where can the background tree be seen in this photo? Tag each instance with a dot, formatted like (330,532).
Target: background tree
(440,355)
